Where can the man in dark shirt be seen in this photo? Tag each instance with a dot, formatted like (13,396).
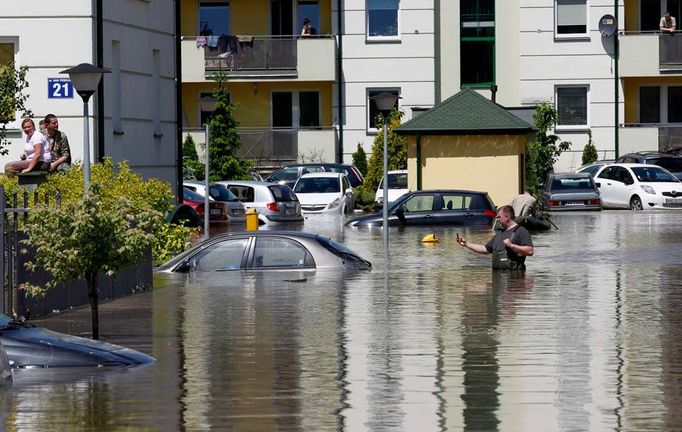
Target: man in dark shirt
(59,144)
(509,247)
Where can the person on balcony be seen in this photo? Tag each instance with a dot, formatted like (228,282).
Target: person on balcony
(668,23)
(308,29)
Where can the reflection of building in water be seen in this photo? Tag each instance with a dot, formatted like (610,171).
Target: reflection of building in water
(671,332)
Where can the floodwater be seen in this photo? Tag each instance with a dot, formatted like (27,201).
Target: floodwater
(588,339)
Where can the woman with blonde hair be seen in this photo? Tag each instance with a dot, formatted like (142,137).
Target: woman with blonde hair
(37,151)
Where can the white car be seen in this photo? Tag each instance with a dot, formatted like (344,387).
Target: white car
(325,192)
(397,187)
(236,212)
(638,186)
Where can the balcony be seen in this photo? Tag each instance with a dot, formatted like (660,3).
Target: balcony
(244,58)
(268,147)
(650,54)
(649,137)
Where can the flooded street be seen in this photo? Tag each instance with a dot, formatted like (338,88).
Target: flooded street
(588,339)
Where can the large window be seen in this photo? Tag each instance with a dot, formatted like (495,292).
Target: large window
(214,18)
(382,18)
(571,104)
(571,17)
(310,10)
(309,108)
(372,110)
(295,110)
(7,53)
(674,108)
(650,104)
(477,43)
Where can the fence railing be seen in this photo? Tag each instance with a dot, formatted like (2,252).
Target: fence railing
(252,53)
(14,213)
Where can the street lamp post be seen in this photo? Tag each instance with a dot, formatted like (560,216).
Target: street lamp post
(85,79)
(385,102)
(207,104)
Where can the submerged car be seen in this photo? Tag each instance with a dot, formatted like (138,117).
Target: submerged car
(570,191)
(325,192)
(435,207)
(290,173)
(257,251)
(29,346)
(217,210)
(274,203)
(638,186)
(669,161)
(236,212)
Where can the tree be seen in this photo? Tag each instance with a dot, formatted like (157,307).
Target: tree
(192,168)
(360,160)
(80,239)
(224,140)
(543,152)
(397,150)
(590,151)
(12,99)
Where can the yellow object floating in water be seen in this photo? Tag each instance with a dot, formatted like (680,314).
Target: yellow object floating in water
(430,238)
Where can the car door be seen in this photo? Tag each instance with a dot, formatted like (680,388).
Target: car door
(226,255)
(453,209)
(280,253)
(348,194)
(607,185)
(417,210)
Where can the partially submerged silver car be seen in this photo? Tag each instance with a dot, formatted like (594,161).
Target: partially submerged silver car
(272,201)
(266,251)
(570,191)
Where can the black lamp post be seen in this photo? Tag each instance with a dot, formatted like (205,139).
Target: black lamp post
(385,102)
(207,104)
(85,78)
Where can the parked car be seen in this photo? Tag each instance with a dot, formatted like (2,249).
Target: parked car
(570,191)
(290,173)
(593,167)
(670,162)
(266,251)
(638,186)
(397,187)
(217,210)
(29,346)
(435,207)
(325,192)
(673,151)
(236,212)
(275,203)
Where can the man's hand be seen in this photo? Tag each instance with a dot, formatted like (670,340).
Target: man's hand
(25,170)
(53,166)
(462,241)
(22,156)
(507,243)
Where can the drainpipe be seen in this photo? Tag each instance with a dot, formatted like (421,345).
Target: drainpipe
(437,88)
(615,80)
(178,103)
(339,69)
(419,161)
(100,88)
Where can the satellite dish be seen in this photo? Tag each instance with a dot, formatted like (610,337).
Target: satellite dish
(608,25)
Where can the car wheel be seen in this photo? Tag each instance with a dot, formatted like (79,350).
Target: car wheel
(636,203)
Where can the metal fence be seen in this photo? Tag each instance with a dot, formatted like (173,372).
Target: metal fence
(14,211)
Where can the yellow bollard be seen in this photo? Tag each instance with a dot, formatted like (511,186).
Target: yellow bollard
(251,220)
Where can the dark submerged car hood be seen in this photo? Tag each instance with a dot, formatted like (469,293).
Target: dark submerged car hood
(30,346)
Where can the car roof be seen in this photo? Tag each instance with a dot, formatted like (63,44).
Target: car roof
(323,174)
(464,191)
(264,233)
(397,172)
(248,183)
(570,175)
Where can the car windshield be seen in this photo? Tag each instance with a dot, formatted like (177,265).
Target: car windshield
(671,164)
(395,181)
(572,184)
(343,252)
(221,193)
(191,195)
(282,193)
(652,175)
(317,185)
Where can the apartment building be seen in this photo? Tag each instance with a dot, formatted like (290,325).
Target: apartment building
(133,116)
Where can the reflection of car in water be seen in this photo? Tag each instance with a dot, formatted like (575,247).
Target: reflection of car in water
(435,207)
(266,251)
(29,346)
(397,187)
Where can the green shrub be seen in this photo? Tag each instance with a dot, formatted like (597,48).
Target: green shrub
(116,182)
(590,151)
(360,160)
(364,198)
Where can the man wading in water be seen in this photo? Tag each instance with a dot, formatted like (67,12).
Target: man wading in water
(509,247)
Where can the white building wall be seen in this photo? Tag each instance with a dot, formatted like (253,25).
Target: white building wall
(62,36)
(547,61)
(407,64)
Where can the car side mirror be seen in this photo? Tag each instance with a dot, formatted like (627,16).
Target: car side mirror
(598,184)
(349,191)
(183,267)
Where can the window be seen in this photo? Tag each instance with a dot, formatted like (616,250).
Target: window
(372,109)
(571,104)
(650,104)
(382,18)
(309,105)
(205,115)
(419,203)
(116,87)
(291,110)
(571,17)
(674,109)
(156,92)
(281,253)
(310,10)
(214,18)
(477,43)
(226,255)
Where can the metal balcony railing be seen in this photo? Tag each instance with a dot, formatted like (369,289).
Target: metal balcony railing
(251,53)
(670,51)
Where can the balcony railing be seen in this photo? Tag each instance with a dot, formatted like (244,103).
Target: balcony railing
(252,53)
(651,136)
(670,51)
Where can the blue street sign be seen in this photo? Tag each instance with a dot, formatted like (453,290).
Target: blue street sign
(59,88)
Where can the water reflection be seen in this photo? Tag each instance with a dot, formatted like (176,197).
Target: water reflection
(432,339)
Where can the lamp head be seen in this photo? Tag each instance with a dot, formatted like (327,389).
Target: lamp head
(385,102)
(85,78)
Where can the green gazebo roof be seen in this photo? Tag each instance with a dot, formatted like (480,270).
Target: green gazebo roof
(466,112)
